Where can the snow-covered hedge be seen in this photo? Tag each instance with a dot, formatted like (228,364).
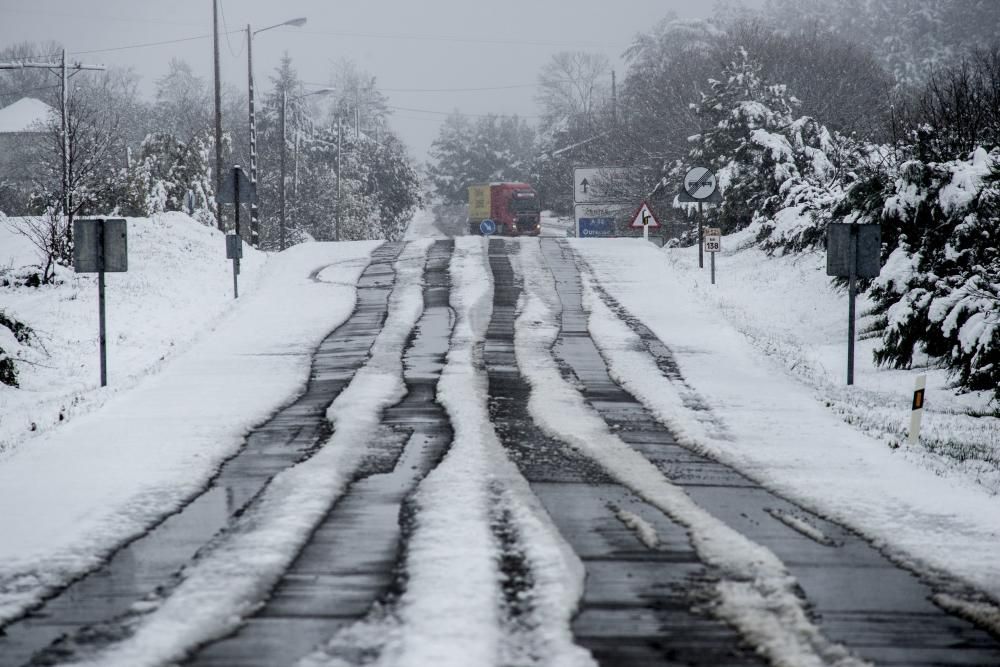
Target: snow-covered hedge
(939,292)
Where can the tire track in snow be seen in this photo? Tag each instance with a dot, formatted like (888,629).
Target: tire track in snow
(352,566)
(637,600)
(140,568)
(229,573)
(855,595)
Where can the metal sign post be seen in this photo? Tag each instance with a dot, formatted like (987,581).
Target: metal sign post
(236,186)
(917,409)
(701,238)
(100,245)
(713,244)
(643,217)
(700,184)
(853,251)
(234,251)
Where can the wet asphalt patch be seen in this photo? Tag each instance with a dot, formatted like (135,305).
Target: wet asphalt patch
(352,565)
(96,609)
(856,596)
(639,603)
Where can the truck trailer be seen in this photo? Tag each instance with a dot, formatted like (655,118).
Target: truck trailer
(512,206)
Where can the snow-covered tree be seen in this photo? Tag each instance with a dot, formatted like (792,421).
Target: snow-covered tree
(939,291)
(347,175)
(744,119)
(183,103)
(912,38)
(176,175)
(574,88)
(489,148)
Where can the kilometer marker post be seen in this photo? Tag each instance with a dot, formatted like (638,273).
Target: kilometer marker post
(917,410)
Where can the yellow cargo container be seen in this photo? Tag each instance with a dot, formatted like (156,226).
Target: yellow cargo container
(479,203)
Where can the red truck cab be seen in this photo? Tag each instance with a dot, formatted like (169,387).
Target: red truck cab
(515,209)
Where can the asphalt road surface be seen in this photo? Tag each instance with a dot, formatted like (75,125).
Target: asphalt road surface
(642,604)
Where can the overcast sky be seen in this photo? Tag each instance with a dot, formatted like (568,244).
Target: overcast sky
(406,44)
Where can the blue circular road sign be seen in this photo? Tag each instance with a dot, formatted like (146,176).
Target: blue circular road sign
(488,227)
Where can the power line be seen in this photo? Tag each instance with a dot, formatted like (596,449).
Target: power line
(471,115)
(440,90)
(457,90)
(225,31)
(456,38)
(146,44)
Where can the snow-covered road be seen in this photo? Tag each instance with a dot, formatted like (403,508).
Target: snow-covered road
(507,452)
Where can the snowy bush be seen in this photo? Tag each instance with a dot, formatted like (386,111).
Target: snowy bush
(13,334)
(741,118)
(939,291)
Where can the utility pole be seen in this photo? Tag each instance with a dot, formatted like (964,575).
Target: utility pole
(295,167)
(281,187)
(218,111)
(336,216)
(64,113)
(614,99)
(254,213)
(62,68)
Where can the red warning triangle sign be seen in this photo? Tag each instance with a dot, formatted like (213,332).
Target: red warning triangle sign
(644,218)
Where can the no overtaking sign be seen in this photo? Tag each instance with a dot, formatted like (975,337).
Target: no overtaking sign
(699,183)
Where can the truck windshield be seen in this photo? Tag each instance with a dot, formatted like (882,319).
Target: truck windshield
(524,204)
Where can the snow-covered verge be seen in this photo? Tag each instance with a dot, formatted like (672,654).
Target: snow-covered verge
(760,349)
(451,613)
(177,287)
(756,594)
(787,308)
(102,478)
(555,225)
(229,578)
(422,226)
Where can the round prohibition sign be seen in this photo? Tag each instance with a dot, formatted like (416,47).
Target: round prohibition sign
(699,183)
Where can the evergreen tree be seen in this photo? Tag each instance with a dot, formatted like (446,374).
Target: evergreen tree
(743,118)
(491,148)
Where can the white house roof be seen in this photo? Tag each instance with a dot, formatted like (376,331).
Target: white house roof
(25,115)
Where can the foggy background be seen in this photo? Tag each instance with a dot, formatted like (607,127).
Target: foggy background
(414,49)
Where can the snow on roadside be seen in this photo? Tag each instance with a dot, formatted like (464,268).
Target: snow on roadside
(104,477)
(449,613)
(422,226)
(227,580)
(756,593)
(765,423)
(177,287)
(554,225)
(786,308)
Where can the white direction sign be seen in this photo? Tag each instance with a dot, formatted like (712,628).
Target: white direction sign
(644,218)
(590,184)
(713,239)
(699,183)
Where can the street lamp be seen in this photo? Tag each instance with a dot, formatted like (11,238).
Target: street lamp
(254,213)
(284,148)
